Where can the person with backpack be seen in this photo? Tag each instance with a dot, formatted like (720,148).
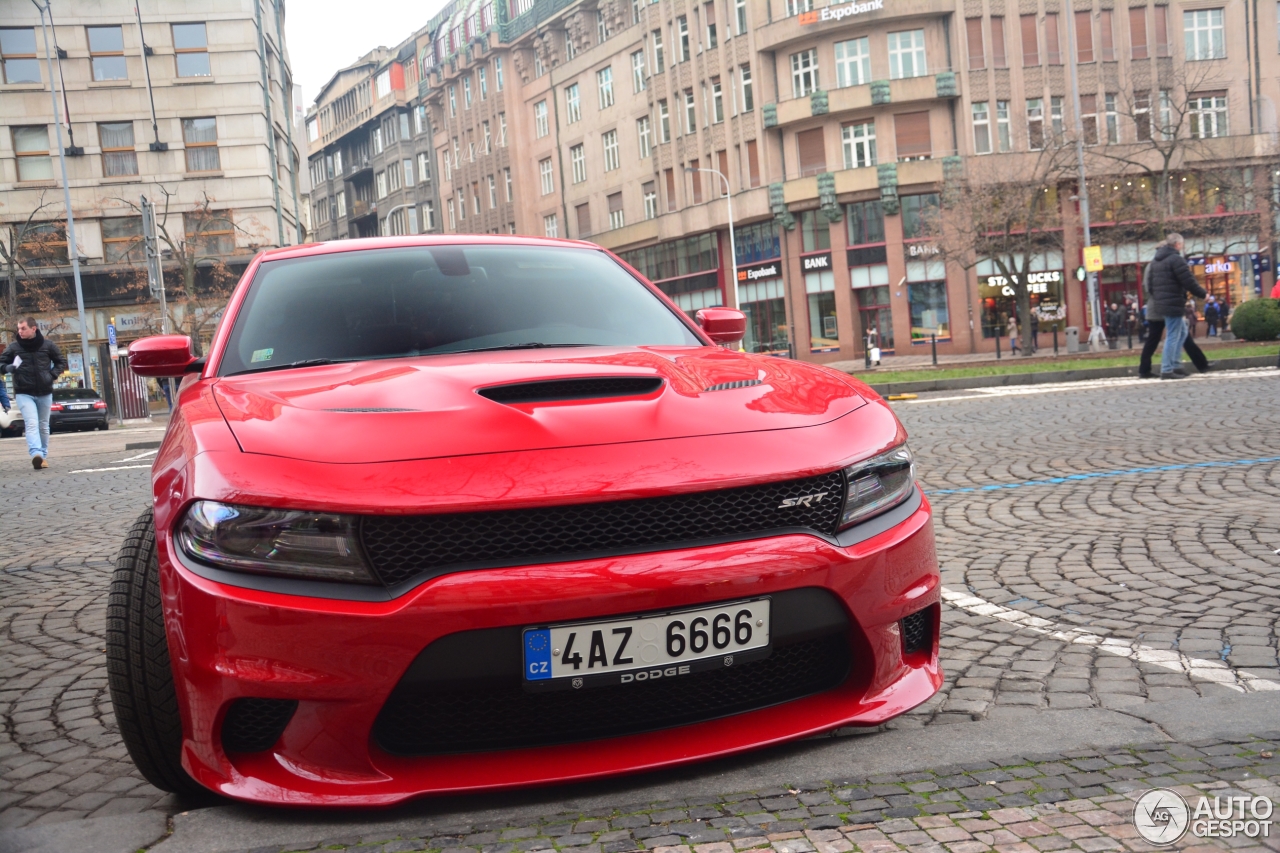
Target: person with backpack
(35,363)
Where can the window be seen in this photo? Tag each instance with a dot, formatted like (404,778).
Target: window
(999,58)
(1055,116)
(482,76)
(859,142)
(1138,32)
(118,156)
(122,239)
(604,87)
(1113,118)
(1089,118)
(611,158)
(572,104)
(382,84)
(453,101)
(981,128)
(380,181)
(616,219)
(912,136)
(682,38)
(342,202)
(428,216)
(1208,114)
(804,72)
(690,112)
(748,100)
(1106,36)
(466,91)
(1142,115)
(412,213)
(583,213)
(695,177)
(419,119)
(928,303)
(644,133)
(578,160)
(497,73)
(544,172)
(540,119)
(637,71)
(404,125)
(906,55)
(1035,123)
(191,50)
(1084,37)
(449,204)
(337,161)
(865,222)
(670,176)
(824,335)
(1003,133)
(18,52)
(313,130)
(659,59)
(394,178)
(200,136)
(475,197)
(812,150)
(549,226)
(1166,115)
(740,8)
(717,101)
(973,37)
(1030,40)
(506,179)
(1203,32)
(1052,43)
(502,130)
(602,28)
(408,172)
(795,7)
(709,18)
(106,52)
(538,68)
(488,137)
(664,122)
(650,192)
(327,172)
(853,62)
(635,11)
(493,192)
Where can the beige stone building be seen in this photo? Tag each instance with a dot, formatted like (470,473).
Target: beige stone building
(202,137)
(836,128)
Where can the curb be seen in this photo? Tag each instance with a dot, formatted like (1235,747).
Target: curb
(998,380)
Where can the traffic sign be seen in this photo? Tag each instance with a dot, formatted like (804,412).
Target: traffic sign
(1093,258)
(111,340)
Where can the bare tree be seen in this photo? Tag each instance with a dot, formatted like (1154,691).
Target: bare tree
(26,247)
(1004,210)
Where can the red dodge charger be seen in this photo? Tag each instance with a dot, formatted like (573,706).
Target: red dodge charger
(452,514)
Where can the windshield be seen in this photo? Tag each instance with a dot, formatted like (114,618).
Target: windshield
(74,394)
(388,303)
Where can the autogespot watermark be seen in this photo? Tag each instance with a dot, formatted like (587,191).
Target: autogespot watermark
(1162,817)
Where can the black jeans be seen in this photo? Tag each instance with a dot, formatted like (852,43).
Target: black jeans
(1155,329)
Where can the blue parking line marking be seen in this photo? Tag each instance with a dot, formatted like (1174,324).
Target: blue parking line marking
(1094,475)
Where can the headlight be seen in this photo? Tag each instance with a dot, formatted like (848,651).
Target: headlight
(291,543)
(876,484)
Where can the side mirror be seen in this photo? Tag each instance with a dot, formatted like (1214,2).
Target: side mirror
(161,355)
(722,325)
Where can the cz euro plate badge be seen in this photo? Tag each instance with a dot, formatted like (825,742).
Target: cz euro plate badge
(645,648)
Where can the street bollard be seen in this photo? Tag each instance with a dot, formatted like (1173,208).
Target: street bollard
(933,343)
(866,351)
(997,344)
(1131,337)
(1055,341)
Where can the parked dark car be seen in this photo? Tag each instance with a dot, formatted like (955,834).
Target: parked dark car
(77,408)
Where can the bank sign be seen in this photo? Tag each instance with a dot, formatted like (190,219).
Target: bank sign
(836,13)
(1037,282)
(759,272)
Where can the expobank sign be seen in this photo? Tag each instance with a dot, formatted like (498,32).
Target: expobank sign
(836,13)
(758,272)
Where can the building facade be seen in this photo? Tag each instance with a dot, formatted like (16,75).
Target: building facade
(835,131)
(191,108)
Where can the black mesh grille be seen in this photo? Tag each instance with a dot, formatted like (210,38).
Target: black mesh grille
(402,547)
(726,386)
(917,632)
(572,389)
(253,725)
(438,719)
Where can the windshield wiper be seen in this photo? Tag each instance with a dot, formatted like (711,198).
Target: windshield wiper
(306,362)
(529,345)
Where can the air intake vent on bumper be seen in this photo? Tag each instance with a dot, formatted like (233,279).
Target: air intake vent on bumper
(573,389)
(253,725)
(917,632)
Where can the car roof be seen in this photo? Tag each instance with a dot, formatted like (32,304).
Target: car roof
(366,243)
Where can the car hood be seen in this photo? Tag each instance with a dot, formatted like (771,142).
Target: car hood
(430,407)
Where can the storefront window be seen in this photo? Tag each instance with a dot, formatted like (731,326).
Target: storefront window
(999,302)
(865,222)
(1220,276)
(758,242)
(823,332)
(766,309)
(875,317)
(915,209)
(929,316)
(815,231)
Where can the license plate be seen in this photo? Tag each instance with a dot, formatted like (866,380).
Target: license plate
(644,648)
(78,408)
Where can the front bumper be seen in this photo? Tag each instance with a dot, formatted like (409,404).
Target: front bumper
(340,661)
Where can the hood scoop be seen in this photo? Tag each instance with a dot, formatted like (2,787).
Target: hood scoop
(372,409)
(552,390)
(741,383)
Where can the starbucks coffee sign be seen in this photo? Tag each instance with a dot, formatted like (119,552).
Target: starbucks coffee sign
(1037,282)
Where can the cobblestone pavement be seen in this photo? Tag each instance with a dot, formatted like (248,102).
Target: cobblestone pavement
(1167,578)
(1074,801)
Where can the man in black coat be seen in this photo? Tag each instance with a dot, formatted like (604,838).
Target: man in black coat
(1170,281)
(35,363)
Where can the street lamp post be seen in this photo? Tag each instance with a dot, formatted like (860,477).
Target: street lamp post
(1096,336)
(73,248)
(733,250)
(394,209)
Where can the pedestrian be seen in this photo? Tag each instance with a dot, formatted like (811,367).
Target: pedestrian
(1013,334)
(1189,312)
(1166,283)
(1115,322)
(1275,291)
(1034,340)
(35,363)
(1211,316)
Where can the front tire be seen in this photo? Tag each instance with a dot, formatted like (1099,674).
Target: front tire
(138,669)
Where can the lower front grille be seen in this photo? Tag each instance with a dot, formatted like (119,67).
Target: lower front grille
(917,632)
(441,718)
(252,725)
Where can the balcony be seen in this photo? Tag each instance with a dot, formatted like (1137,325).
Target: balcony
(787,31)
(361,208)
(861,180)
(910,90)
(355,167)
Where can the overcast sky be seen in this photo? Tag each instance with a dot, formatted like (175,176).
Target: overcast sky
(325,35)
